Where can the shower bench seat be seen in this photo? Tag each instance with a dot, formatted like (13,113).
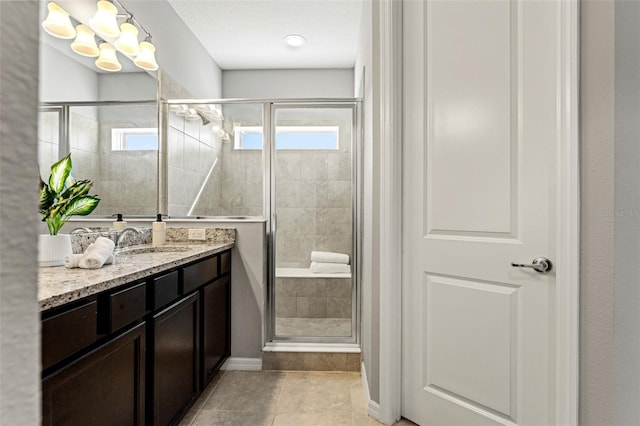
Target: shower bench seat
(305,273)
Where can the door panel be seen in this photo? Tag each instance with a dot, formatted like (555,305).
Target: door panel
(480,128)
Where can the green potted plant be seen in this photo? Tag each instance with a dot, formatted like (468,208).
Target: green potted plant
(60,198)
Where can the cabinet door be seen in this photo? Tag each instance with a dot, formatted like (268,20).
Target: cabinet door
(216,331)
(104,387)
(175,362)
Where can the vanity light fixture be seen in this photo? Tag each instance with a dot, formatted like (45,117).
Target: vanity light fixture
(85,42)
(105,21)
(294,40)
(105,24)
(58,23)
(127,43)
(108,61)
(147,58)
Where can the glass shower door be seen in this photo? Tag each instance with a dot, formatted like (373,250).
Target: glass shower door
(313,151)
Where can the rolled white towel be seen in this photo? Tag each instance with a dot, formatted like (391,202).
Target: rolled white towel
(73,261)
(330,268)
(329,257)
(96,255)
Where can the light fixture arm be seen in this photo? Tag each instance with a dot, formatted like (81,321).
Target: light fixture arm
(131,17)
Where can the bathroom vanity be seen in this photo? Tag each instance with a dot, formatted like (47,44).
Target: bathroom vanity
(135,342)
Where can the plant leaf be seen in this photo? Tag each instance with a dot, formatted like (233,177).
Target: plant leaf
(78,188)
(81,206)
(46,197)
(59,174)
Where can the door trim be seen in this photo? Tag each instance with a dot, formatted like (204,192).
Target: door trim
(389,102)
(389,109)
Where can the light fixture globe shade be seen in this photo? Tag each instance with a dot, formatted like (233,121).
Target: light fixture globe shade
(108,59)
(85,43)
(58,23)
(295,40)
(127,43)
(147,58)
(104,22)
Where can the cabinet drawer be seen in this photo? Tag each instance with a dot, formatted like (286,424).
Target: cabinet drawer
(225,262)
(127,306)
(165,289)
(200,273)
(69,332)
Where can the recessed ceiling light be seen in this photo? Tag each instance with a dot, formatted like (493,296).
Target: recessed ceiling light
(294,40)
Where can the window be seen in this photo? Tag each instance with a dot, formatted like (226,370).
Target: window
(134,139)
(289,137)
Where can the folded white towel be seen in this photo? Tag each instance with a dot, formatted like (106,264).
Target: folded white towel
(330,268)
(73,261)
(329,257)
(97,254)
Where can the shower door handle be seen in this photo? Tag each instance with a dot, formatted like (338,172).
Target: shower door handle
(275,222)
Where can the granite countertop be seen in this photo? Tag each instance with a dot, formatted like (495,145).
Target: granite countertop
(59,285)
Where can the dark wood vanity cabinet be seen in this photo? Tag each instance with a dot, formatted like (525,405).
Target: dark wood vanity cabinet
(174,368)
(216,327)
(104,387)
(141,353)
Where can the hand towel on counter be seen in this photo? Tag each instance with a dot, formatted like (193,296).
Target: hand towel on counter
(73,261)
(96,255)
(330,268)
(329,257)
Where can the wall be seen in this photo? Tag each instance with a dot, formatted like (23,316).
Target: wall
(79,82)
(627,215)
(597,198)
(19,312)
(282,84)
(370,283)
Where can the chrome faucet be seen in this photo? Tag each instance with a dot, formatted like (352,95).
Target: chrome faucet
(122,234)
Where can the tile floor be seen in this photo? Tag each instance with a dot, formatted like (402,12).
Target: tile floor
(282,398)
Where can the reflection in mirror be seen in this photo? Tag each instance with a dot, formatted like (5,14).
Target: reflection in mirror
(208,172)
(113,145)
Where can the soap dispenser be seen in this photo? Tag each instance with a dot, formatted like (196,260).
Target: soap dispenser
(159,231)
(119,223)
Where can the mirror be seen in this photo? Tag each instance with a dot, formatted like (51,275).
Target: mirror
(107,121)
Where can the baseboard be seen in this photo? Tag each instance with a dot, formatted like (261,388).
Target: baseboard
(246,364)
(373,408)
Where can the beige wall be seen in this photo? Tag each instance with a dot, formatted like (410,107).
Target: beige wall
(597,197)
(19,312)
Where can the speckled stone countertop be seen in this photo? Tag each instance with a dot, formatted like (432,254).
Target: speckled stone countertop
(59,285)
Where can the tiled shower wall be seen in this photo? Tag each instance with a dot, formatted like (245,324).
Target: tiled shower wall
(192,150)
(48,134)
(314,201)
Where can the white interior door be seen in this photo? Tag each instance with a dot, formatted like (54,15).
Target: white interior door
(481,128)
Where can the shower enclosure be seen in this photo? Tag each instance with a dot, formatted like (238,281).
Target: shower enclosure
(293,163)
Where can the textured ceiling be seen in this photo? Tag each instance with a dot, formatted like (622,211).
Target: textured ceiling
(248,34)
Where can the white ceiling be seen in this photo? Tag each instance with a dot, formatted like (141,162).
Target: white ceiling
(248,34)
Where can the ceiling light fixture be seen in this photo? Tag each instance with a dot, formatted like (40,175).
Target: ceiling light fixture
(127,43)
(58,23)
(108,59)
(105,22)
(147,58)
(294,40)
(85,42)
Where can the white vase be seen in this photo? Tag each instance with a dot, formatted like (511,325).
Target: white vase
(52,249)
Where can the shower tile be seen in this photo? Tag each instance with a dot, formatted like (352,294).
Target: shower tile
(288,166)
(291,361)
(191,154)
(353,364)
(308,287)
(175,148)
(312,307)
(288,249)
(206,136)
(289,221)
(327,362)
(288,194)
(339,166)
(286,287)
(176,122)
(192,128)
(314,193)
(333,221)
(253,195)
(286,307)
(340,194)
(338,307)
(337,287)
(314,166)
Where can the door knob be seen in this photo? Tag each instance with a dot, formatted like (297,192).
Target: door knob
(540,264)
